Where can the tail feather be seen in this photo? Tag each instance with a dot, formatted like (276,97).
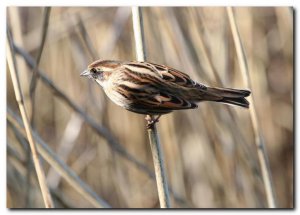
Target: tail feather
(242,102)
(230,96)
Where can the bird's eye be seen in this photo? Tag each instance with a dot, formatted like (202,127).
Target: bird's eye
(93,70)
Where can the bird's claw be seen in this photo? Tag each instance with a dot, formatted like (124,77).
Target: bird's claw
(151,121)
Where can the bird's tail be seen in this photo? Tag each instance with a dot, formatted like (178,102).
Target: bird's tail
(229,96)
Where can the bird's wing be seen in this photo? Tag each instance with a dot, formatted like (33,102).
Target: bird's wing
(174,76)
(168,74)
(163,100)
(149,84)
(166,100)
(150,97)
(142,68)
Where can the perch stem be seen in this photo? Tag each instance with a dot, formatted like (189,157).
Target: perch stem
(157,154)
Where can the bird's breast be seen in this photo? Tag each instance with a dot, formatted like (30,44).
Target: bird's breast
(118,97)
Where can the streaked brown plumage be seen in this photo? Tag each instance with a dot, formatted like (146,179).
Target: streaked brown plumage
(149,88)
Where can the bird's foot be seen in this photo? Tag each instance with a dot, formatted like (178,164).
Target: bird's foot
(151,121)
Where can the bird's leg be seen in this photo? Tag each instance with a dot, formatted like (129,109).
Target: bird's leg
(151,121)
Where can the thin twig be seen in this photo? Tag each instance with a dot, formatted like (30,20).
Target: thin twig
(35,156)
(29,169)
(259,141)
(69,175)
(32,88)
(138,28)
(239,137)
(87,42)
(84,159)
(35,74)
(121,17)
(66,144)
(63,199)
(86,38)
(161,178)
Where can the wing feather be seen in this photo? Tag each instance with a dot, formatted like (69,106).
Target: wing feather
(156,87)
(173,75)
(164,100)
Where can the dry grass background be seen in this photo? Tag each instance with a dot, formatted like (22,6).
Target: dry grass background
(210,157)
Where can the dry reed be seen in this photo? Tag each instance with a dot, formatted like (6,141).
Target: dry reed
(157,154)
(260,146)
(19,98)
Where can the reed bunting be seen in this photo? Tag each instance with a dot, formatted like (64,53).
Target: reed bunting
(149,88)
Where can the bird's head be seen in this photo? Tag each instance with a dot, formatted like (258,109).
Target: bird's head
(100,70)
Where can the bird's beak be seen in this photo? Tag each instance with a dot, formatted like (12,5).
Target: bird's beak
(85,73)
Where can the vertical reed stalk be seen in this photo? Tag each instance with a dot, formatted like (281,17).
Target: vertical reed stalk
(35,157)
(35,74)
(161,178)
(259,141)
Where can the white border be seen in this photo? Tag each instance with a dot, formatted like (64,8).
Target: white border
(150,3)
(5,3)
(3,109)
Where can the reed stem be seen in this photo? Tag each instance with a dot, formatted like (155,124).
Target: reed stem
(19,97)
(259,141)
(157,154)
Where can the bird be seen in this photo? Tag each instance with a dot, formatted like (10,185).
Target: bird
(155,89)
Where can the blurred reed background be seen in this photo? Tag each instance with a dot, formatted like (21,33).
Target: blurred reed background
(209,152)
